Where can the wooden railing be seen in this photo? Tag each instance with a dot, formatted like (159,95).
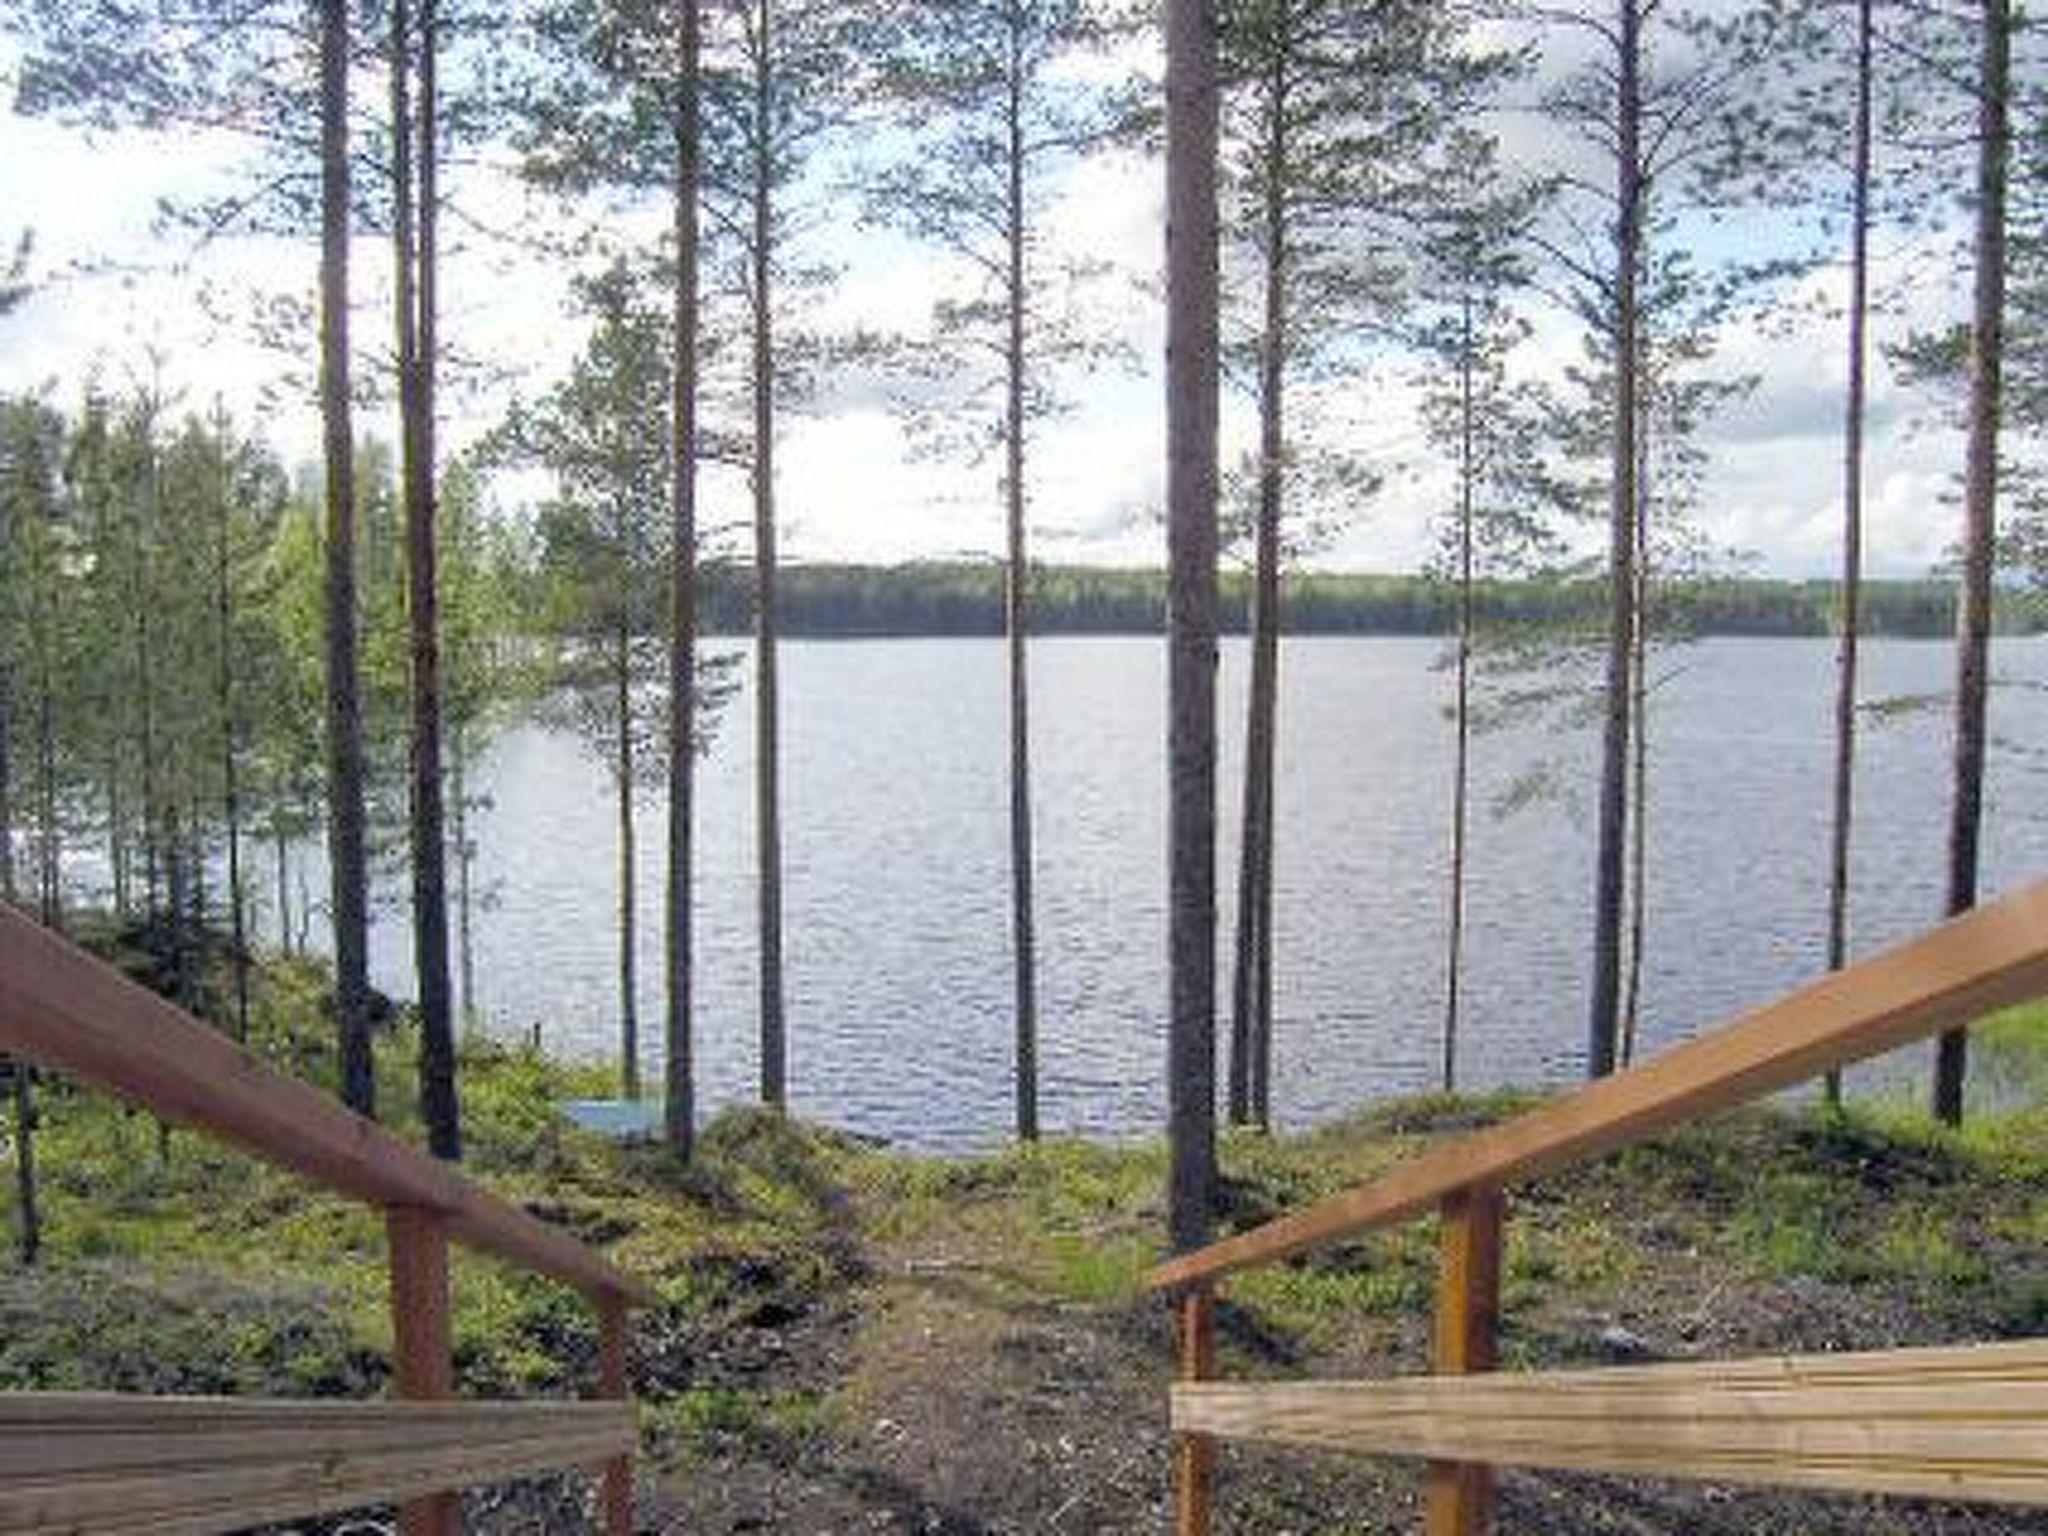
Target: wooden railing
(1968,1423)
(72,1463)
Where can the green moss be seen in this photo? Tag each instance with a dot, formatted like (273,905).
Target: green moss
(701,1420)
(1095,1272)
(194,1269)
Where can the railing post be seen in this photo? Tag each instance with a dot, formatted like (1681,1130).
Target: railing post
(617,1485)
(1459,1495)
(423,1354)
(1195,1455)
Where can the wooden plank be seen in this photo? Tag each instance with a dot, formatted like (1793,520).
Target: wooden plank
(1458,1495)
(1195,1454)
(1988,959)
(191,1466)
(423,1344)
(1965,1424)
(70,1013)
(615,1492)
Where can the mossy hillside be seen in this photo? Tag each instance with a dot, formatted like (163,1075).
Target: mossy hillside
(173,1263)
(794,1264)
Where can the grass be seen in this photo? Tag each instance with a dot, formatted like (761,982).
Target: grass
(180,1266)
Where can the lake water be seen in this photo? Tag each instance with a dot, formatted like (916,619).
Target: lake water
(897,889)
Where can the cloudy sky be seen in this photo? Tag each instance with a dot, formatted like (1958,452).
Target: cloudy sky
(856,483)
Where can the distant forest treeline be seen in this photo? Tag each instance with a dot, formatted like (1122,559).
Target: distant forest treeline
(966,598)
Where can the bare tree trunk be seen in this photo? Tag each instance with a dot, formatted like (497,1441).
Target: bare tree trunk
(1251,994)
(1851,616)
(117,836)
(415,261)
(767,675)
(1262,973)
(1603,1013)
(1191,403)
(1461,705)
(143,596)
(1980,501)
(344,706)
(1016,612)
(185,906)
(1639,759)
(7,879)
(284,896)
(230,727)
(28,1209)
(113,764)
(465,870)
(1244,948)
(680,1106)
(629,911)
(49,836)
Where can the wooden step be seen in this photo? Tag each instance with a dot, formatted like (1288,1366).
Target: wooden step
(114,1465)
(1956,1423)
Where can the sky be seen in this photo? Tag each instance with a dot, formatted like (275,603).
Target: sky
(856,481)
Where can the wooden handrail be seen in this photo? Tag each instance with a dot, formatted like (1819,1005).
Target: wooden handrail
(1987,959)
(64,1010)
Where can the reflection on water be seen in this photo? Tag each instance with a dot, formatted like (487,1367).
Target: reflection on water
(897,890)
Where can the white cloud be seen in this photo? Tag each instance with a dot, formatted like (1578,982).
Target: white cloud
(851,483)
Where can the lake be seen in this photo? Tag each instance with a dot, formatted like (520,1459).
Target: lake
(897,939)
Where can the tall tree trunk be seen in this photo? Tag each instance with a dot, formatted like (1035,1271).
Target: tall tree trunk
(49,836)
(184,882)
(1243,1045)
(1016,613)
(624,772)
(28,1230)
(113,762)
(1639,756)
(767,700)
(117,835)
(1191,409)
(144,597)
(1251,1019)
(1262,972)
(680,1110)
(284,894)
(415,229)
(350,872)
(1980,501)
(28,1209)
(1603,1012)
(465,870)
(1850,619)
(230,728)
(7,877)
(1461,701)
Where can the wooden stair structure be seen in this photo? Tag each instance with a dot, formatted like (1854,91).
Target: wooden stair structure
(103,1463)
(1966,1423)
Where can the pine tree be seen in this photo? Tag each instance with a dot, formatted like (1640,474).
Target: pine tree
(1653,106)
(619,111)
(1192,361)
(1980,501)
(775,83)
(415,140)
(347,860)
(604,436)
(1335,142)
(985,126)
(1849,624)
(1491,428)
